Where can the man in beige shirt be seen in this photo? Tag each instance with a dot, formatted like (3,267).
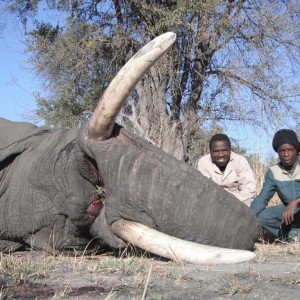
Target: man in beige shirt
(228,169)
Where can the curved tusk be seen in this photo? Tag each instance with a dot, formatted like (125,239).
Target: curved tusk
(176,249)
(101,125)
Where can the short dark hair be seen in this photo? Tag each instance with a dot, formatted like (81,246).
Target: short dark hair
(219,137)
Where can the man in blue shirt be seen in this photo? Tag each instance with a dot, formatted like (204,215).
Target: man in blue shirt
(283,221)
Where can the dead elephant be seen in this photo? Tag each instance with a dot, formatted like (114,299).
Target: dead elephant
(48,178)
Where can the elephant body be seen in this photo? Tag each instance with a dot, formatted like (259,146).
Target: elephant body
(34,194)
(48,180)
(48,184)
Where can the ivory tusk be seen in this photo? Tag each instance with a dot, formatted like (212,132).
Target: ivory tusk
(101,125)
(176,249)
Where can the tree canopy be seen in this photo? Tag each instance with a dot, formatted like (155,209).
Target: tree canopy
(233,61)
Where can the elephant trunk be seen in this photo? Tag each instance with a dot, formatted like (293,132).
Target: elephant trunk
(148,186)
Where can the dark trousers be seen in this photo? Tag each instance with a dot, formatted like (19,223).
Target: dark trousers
(270,219)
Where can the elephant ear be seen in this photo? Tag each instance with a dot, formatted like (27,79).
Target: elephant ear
(12,136)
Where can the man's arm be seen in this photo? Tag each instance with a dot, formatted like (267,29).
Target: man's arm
(267,192)
(246,181)
(204,166)
(290,210)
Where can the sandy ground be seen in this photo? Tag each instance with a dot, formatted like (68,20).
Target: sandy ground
(273,274)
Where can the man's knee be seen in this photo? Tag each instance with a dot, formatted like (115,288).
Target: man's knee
(271,216)
(266,217)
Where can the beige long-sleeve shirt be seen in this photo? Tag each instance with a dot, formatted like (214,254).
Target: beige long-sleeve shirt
(238,178)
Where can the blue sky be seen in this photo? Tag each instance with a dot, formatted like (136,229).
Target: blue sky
(18,83)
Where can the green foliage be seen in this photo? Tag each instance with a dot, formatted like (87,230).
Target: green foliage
(101,191)
(73,64)
(44,32)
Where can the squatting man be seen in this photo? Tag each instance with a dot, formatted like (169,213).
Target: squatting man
(228,169)
(282,221)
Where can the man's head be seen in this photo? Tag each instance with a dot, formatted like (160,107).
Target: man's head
(287,145)
(220,148)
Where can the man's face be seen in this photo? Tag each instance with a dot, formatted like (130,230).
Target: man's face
(220,153)
(287,155)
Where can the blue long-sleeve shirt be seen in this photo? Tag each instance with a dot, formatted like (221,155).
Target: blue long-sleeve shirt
(278,180)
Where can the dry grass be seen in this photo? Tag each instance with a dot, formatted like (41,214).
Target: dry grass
(260,171)
(278,248)
(39,269)
(136,276)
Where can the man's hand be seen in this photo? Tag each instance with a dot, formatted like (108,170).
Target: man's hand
(288,213)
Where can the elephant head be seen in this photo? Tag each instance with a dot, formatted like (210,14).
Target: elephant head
(49,200)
